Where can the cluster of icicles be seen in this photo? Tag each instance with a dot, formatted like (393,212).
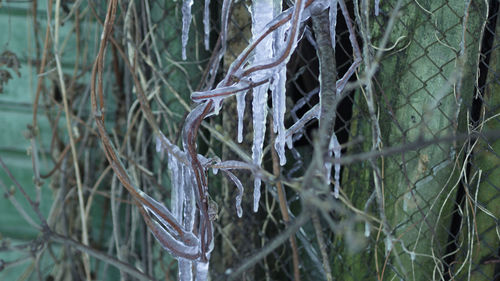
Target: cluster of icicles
(263,71)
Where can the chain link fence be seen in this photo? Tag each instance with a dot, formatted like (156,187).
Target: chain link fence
(420,190)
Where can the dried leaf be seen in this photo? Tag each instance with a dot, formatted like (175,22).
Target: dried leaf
(4,78)
(10,60)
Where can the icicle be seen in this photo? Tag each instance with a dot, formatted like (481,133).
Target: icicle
(377,7)
(185,269)
(279,108)
(278,88)
(201,271)
(388,244)
(289,142)
(186,22)
(335,149)
(206,23)
(177,190)
(158,145)
(259,107)
(240,108)
(333,20)
(367,229)
(256,193)
(262,12)
(189,200)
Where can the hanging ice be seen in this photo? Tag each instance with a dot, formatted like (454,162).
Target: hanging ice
(377,7)
(335,149)
(186,22)
(367,229)
(262,13)
(158,145)
(206,24)
(240,108)
(189,200)
(279,108)
(259,107)
(201,271)
(278,89)
(177,184)
(333,20)
(185,269)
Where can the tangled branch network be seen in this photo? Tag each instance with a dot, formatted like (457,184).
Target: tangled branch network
(186,229)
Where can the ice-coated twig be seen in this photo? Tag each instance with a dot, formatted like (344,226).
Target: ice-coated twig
(239,196)
(163,215)
(303,101)
(164,144)
(186,22)
(234,164)
(313,113)
(377,7)
(172,244)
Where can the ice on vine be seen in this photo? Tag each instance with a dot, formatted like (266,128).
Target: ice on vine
(333,20)
(160,207)
(239,196)
(175,246)
(206,24)
(240,108)
(235,164)
(186,22)
(377,7)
